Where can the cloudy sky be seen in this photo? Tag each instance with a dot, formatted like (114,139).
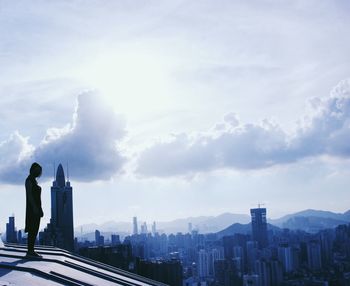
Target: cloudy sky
(169,109)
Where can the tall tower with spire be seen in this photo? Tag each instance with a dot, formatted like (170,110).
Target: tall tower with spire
(59,232)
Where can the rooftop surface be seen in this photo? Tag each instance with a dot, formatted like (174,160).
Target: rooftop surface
(60,267)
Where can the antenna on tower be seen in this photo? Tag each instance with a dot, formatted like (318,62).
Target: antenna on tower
(54,170)
(260,204)
(67,172)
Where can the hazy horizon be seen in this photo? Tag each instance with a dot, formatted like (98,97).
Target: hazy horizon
(149,222)
(166,110)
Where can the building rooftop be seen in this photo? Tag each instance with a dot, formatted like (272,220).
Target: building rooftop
(60,267)
(60,178)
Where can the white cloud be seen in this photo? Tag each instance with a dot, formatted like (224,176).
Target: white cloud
(88,144)
(13,153)
(254,146)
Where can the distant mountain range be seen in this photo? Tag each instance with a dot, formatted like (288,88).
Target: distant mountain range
(205,224)
(243,229)
(314,213)
(312,220)
(307,220)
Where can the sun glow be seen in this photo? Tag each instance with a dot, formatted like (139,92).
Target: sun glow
(134,83)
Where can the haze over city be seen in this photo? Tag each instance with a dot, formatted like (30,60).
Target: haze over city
(166,110)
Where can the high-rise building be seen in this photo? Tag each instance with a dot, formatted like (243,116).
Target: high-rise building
(238,256)
(259,226)
(154,228)
(252,254)
(19,236)
(238,252)
(314,255)
(59,232)
(285,256)
(190,227)
(203,264)
(263,270)
(144,228)
(135,229)
(276,272)
(228,243)
(215,254)
(97,237)
(101,241)
(115,239)
(326,240)
(268,273)
(11,233)
(226,273)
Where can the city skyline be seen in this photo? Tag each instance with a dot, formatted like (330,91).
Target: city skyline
(172,110)
(186,221)
(261,257)
(309,221)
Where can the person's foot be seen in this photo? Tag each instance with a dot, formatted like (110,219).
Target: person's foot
(33,254)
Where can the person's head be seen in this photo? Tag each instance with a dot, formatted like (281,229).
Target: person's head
(35,170)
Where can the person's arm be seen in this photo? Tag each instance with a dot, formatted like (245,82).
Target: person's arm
(41,212)
(30,197)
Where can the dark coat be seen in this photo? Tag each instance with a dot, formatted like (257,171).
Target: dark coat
(32,218)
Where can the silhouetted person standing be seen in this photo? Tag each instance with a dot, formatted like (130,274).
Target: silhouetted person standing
(33,207)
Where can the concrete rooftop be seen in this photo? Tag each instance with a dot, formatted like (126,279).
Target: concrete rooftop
(60,267)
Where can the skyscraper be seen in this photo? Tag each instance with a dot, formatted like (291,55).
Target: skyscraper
(238,254)
(97,237)
(11,233)
(135,230)
(59,232)
(285,255)
(115,239)
(190,227)
(154,228)
(259,226)
(144,228)
(214,255)
(203,264)
(314,255)
(263,270)
(252,254)
(226,273)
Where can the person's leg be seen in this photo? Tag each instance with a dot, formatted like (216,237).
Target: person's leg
(36,229)
(32,233)
(31,240)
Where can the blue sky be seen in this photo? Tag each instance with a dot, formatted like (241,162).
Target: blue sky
(168,109)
